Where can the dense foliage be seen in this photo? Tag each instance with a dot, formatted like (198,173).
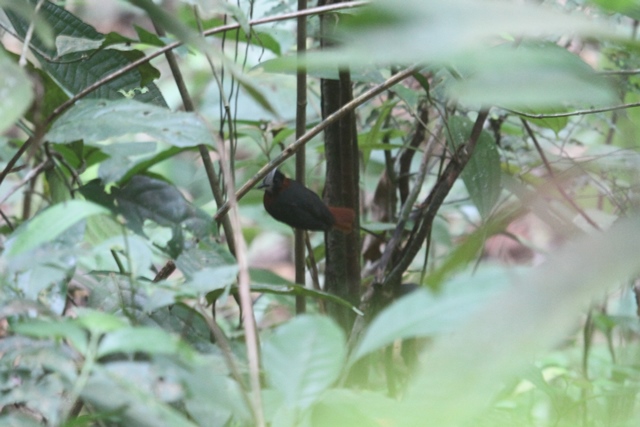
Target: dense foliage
(493,277)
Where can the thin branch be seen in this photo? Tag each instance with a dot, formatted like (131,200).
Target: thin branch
(244,290)
(187,101)
(27,37)
(407,207)
(225,348)
(429,208)
(575,112)
(6,220)
(619,72)
(291,149)
(12,162)
(555,181)
(32,173)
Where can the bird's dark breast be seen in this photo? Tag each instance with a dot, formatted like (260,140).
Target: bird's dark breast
(299,207)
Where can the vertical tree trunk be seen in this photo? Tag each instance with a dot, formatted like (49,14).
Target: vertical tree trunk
(341,189)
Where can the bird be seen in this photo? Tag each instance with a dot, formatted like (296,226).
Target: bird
(294,204)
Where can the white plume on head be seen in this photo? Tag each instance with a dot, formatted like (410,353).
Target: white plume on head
(269,178)
(267,182)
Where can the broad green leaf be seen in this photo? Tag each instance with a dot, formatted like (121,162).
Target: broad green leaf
(303,358)
(361,408)
(144,198)
(205,255)
(467,368)
(423,313)
(267,282)
(556,124)
(473,36)
(98,322)
(530,76)
(17,419)
(123,156)
(75,71)
(212,278)
(630,8)
(373,139)
(15,92)
(68,44)
(27,11)
(469,250)
(67,329)
(183,320)
(483,172)
(98,120)
(135,395)
(49,224)
(147,340)
(147,37)
(399,34)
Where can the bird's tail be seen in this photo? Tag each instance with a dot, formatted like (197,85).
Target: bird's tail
(344,218)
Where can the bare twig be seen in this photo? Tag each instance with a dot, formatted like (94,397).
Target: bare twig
(431,205)
(27,37)
(6,220)
(33,172)
(576,112)
(407,207)
(554,180)
(244,290)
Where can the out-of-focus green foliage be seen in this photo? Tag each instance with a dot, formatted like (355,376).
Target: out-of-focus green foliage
(100,195)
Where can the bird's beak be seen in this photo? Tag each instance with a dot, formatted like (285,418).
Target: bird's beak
(262,186)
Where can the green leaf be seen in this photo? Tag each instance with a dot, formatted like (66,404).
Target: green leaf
(461,26)
(267,282)
(49,224)
(147,340)
(206,255)
(26,10)
(98,120)
(123,157)
(467,368)
(133,394)
(17,419)
(482,174)
(98,322)
(144,198)
(427,314)
(68,44)
(556,124)
(630,8)
(147,37)
(75,71)
(16,91)
(529,75)
(303,358)
(214,399)
(212,278)
(361,408)
(67,329)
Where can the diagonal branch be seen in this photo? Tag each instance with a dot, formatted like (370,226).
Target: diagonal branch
(429,208)
(291,149)
(561,190)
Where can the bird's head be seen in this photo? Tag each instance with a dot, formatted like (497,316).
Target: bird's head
(272,182)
